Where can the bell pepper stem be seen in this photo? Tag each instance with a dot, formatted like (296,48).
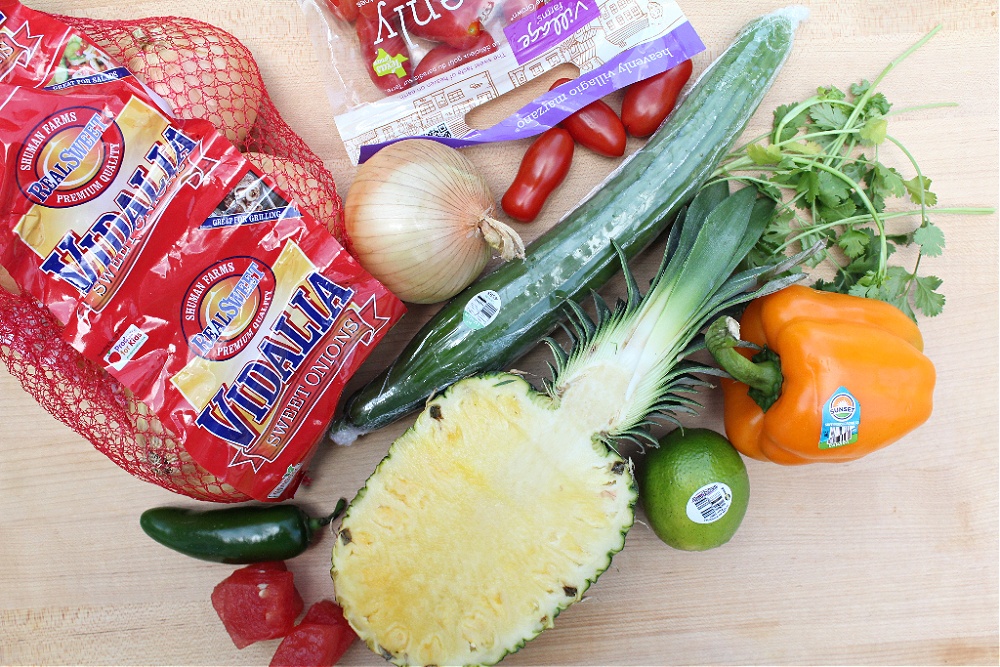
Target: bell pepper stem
(762,373)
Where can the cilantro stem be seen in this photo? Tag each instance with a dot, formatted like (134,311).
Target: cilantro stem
(812,229)
(860,103)
(922,107)
(920,175)
(860,192)
(797,111)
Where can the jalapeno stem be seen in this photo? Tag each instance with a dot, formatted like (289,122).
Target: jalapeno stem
(317,523)
(762,373)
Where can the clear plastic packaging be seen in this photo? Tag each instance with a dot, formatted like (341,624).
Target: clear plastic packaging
(416,68)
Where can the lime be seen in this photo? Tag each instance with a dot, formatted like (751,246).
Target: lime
(694,488)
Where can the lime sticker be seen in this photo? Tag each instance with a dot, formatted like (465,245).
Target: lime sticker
(481,310)
(709,503)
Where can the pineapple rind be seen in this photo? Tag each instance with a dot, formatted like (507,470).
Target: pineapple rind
(623,493)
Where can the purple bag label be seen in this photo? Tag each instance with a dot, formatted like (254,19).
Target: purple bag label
(548,27)
(550,108)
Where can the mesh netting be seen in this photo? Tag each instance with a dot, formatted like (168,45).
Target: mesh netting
(83,396)
(204,72)
(216,78)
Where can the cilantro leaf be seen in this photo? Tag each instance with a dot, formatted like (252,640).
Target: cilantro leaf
(896,289)
(854,243)
(830,93)
(877,105)
(826,116)
(859,89)
(832,190)
(792,124)
(914,187)
(930,238)
(886,181)
(808,185)
(926,297)
(762,155)
(874,131)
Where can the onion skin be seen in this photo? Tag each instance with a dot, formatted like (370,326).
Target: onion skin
(419,219)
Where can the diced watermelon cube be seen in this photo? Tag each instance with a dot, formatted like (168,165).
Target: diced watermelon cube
(320,640)
(257,603)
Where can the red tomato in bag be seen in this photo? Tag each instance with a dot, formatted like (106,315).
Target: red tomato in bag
(345,10)
(257,602)
(429,19)
(388,62)
(320,640)
(459,28)
(443,58)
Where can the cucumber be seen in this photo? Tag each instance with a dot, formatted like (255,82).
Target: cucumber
(631,208)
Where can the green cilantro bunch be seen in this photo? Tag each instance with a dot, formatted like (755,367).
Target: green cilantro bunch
(821,163)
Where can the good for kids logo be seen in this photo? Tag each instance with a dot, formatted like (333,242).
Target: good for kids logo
(225,306)
(70,158)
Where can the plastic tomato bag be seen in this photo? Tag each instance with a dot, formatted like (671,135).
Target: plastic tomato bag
(400,68)
(163,258)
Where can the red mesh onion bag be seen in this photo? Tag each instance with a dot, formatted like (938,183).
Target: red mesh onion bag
(217,80)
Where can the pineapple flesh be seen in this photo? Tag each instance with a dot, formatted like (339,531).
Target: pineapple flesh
(488,517)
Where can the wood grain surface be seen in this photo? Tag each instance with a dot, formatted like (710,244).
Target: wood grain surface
(892,559)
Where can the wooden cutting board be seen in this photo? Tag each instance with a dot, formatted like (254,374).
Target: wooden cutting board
(892,559)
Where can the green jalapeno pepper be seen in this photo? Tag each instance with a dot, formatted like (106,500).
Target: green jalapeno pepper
(236,535)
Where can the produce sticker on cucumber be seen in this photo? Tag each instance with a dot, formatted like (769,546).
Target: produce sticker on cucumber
(481,310)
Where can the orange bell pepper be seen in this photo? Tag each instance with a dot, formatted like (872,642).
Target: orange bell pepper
(837,377)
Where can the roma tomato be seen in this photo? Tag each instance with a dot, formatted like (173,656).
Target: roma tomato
(443,57)
(321,639)
(387,62)
(257,602)
(543,169)
(596,126)
(648,102)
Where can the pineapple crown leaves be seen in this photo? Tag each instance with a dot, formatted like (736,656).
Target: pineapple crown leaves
(651,335)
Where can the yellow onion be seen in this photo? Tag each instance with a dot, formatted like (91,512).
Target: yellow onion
(419,219)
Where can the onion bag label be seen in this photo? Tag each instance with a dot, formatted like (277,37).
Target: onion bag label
(841,420)
(90,175)
(175,264)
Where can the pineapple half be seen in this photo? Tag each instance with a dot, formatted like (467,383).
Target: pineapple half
(480,526)
(501,505)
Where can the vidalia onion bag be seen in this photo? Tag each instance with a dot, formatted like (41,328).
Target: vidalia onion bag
(184,295)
